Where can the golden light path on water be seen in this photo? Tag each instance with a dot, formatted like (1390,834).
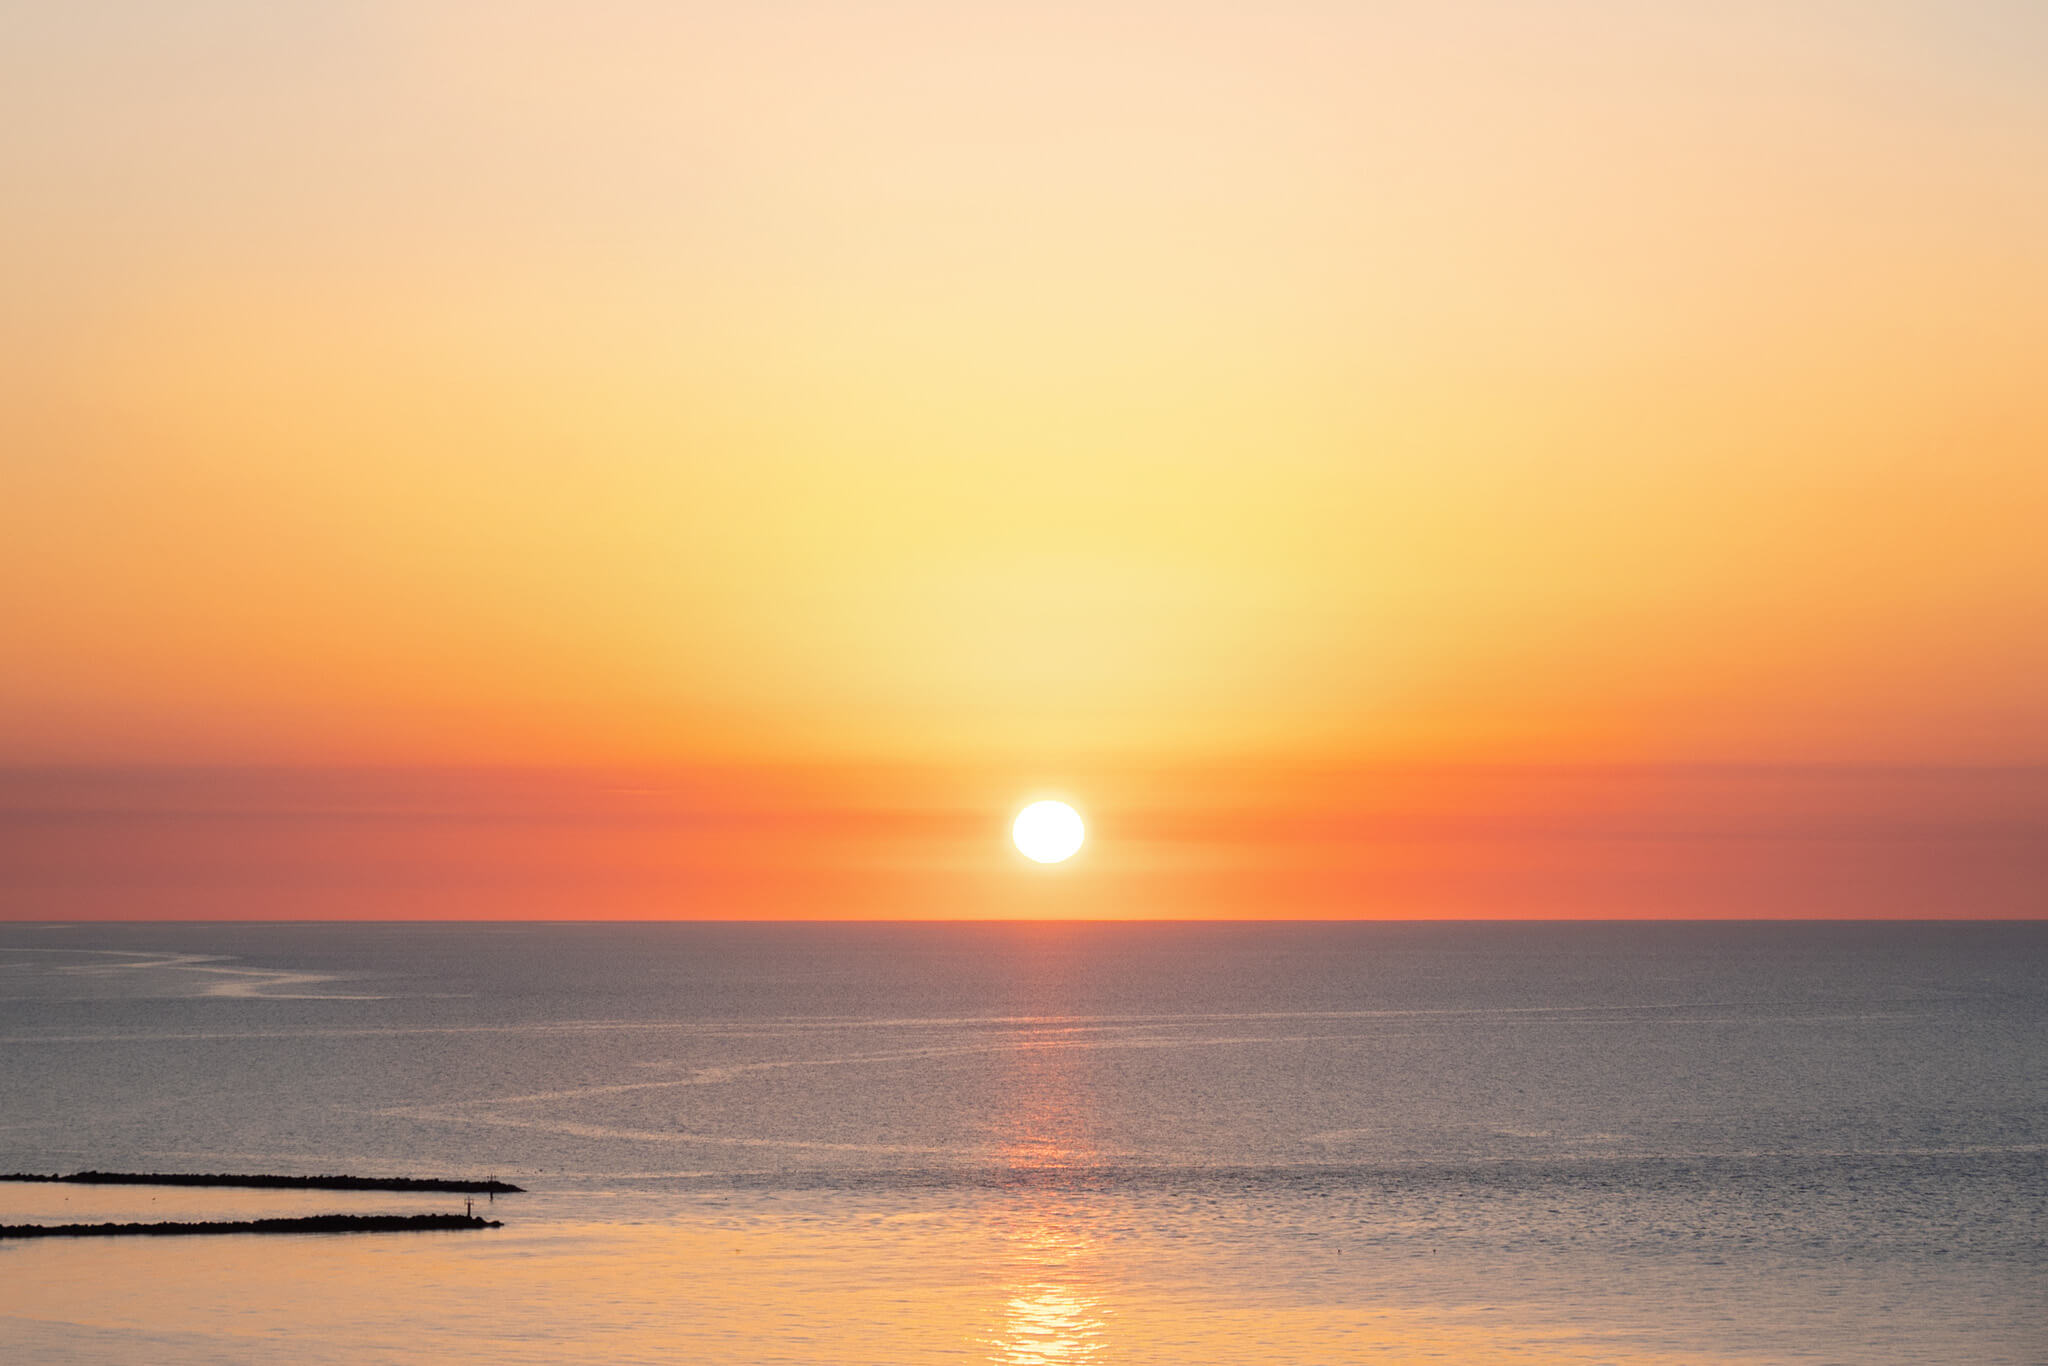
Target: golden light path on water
(1051,1321)
(1054,1314)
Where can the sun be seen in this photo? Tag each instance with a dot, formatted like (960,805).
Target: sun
(1049,832)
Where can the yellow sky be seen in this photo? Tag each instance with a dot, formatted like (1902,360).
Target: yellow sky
(1024,384)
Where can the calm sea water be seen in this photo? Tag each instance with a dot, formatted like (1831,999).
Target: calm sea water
(1041,1143)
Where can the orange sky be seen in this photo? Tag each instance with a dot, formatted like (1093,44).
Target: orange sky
(925,404)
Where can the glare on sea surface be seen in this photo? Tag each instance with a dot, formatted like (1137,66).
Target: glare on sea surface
(1049,1316)
(1048,831)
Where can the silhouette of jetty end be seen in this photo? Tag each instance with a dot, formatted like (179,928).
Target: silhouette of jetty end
(314,1183)
(318,1223)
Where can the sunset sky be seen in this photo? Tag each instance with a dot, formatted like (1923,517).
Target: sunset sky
(1374,458)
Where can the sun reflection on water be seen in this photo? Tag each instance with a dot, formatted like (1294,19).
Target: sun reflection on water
(1049,1316)
(1052,1312)
(1050,1323)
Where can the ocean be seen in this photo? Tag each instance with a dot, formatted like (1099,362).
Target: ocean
(1042,1142)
